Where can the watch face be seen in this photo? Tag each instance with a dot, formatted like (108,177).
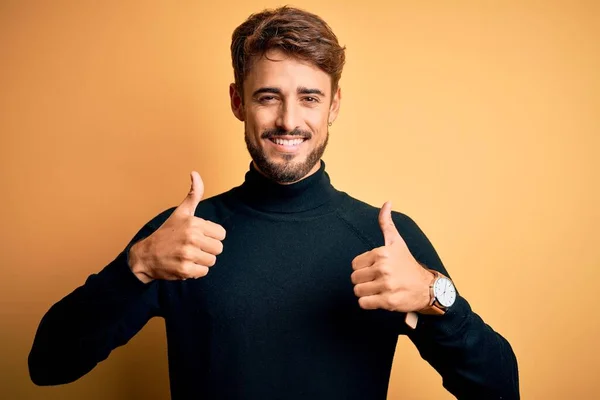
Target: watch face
(444,291)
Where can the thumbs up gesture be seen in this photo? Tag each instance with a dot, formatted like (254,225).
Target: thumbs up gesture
(389,277)
(184,246)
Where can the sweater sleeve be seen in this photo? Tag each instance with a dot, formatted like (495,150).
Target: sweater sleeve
(85,326)
(475,362)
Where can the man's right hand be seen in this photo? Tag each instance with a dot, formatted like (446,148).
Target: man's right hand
(183,247)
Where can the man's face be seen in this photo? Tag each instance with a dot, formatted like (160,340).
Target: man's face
(286,110)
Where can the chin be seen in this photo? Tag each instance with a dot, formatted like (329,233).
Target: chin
(285,171)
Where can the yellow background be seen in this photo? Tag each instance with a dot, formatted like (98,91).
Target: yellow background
(478,119)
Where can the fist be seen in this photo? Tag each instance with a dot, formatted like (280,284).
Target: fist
(185,246)
(389,277)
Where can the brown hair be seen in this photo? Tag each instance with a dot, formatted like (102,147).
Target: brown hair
(296,32)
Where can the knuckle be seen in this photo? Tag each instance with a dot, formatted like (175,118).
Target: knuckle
(188,234)
(202,223)
(180,254)
(186,253)
(390,302)
(383,252)
(183,271)
(384,270)
(393,302)
(388,285)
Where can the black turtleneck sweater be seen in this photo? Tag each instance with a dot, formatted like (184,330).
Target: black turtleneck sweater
(276,317)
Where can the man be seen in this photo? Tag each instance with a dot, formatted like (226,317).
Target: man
(282,287)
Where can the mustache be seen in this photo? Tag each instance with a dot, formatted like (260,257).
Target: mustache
(272,133)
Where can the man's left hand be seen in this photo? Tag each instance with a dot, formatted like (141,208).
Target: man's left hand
(389,277)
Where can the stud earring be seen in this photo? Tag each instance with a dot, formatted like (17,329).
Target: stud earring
(330,123)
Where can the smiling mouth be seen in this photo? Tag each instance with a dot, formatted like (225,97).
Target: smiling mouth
(287,142)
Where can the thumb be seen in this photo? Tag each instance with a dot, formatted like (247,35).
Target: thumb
(189,204)
(390,233)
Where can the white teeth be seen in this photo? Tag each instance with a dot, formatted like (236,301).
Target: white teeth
(285,142)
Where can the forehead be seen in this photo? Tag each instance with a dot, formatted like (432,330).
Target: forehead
(277,69)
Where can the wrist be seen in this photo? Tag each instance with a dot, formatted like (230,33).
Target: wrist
(136,262)
(442,294)
(426,299)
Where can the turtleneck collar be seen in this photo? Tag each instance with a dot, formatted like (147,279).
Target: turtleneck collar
(261,193)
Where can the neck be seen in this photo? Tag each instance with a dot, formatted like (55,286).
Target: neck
(311,192)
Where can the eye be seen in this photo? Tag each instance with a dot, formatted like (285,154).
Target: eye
(311,101)
(266,99)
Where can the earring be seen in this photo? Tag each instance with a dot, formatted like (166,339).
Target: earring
(330,123)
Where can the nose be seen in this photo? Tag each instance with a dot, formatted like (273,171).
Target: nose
(288,117)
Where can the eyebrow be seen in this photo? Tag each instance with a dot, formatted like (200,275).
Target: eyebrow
(304,90)
(275,90)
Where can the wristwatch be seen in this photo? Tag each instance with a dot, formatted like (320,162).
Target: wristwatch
(442,295)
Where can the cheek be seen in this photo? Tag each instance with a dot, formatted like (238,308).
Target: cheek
(261,119)
(317,121)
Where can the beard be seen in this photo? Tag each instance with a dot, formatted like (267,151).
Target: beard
(287,171)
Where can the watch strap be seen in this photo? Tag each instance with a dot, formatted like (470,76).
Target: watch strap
(434,307)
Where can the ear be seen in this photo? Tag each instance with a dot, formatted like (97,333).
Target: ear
(237,105)
(334,108)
